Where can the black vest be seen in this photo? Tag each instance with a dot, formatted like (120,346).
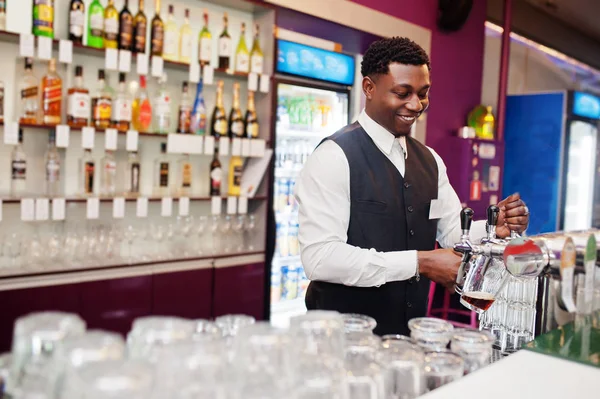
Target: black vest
(388,212)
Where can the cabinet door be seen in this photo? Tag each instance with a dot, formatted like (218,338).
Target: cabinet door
(184,294)
(240,289)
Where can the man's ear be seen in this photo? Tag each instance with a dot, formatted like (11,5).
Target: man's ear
(368,86)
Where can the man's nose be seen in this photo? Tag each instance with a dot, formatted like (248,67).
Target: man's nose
(414,104)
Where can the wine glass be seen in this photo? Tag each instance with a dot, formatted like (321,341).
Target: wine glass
(225,230)
(214,230)
(158,235)
(238,228)
(249,228)
(129,235)
(201,223)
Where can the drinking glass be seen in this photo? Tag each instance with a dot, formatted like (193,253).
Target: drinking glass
(354,322)
(201,223)
(225,236)
(484,279)
(152,334)
(364,373)
(519,326)
(215,222)
(475,347)
(431,333)
(249,228)
(158,235)
(232,323)
(207,330)
(403,361)
(238,228)
(13,248)
(129,234)
(442,368)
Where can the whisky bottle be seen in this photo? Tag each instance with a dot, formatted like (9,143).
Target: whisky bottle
(234,182)
(236,119)
(87,169)
(198,122)
(224,46)
(158,33)
(76,21)
(52,95)
(242,57)
(162,168)
(108,174)
(102,103)
(18,163)
(95,37)
(185,176)
(78,103)
(185,110)
(125,28)
(121,106)
(216,175)
(171,37)
(43,18)
(30,99)
(251,126)
(142,108)
(52,163)
(185,40)
(133,177)
(205,43)
(140,26)
(218,126)
(256,55)
(162,107)
(111,26)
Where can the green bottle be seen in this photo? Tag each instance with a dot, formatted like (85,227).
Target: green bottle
(96,25)
(43,18)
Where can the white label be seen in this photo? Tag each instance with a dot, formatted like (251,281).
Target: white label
(567,288)
(58,209)
(205,49)
(162,107)
(42,209)
(185,51)
(87,137)
(257,148)
(487,151)
(243,205)
(265,83)
(208,75)
(176,143)
(215,205)
(252,82)
(111,26)
(157,66)
(44,48)
(142,207)
(184,206)
(132,140)
(97,22)
(242,63)
(195,144)
(26,45)
(142,64)
(110,139)
(256,64)
(27,209)
(65,51)
(231,205)
(119,208)
(121,110)
(93,208)
(76,22)
(79,106)
(209,145)
(236,147)
(166,208)
(171,42)
(11,133)
(194,72)
(245,147)
(224,146)
(224,47)
(124,60)
(111,59)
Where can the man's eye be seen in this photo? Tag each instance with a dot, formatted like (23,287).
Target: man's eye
(423,96)
(402,95)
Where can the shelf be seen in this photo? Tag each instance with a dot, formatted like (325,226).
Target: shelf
(39,126)
(127,199)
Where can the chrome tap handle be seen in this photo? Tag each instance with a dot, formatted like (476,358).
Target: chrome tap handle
(466,218)
(492,219)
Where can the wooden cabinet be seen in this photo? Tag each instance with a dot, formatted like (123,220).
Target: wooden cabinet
(240,289)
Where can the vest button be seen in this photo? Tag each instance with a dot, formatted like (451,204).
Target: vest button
(406,185)
(410,208)
(408,305)
(411,232)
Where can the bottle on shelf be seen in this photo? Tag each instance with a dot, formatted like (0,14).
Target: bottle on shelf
(205,42)
(185,110)
(224,46)
(18,162)
(3,15)
(242,57)
(102,103)
(43,18)
(78,102)
(111,25)
(30,98)
(121,106)
(95,36)
(142,108)
(198,119)
(171,37)
(161,173)
(76,21)
(125,28)
(236,165)
(52,95)
(236,119)
(140,26)
(185,40)
(162,107)
(157,35)
(185,176)
(52,163)
(108,174)
(216,175)
(256,55)
(87,169)
(218,126)
(133,174)
(1,102)
(251,126)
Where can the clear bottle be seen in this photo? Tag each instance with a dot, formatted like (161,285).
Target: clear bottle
(76,21)
(224,46)
(185,110)
(198,121)
(157,36)
(142,108)
(108,175)
(251,126)
(87,171)
(171,37)
(18,181)
(242,57)
(125,28)
(185,176)
(140,25)
(256,55)
(52,163)
(185,40)
(30,97)
(218,122)
(78,102)
(102,103)
(111,25)
(236,119)
(162,108)
(121,106)
(52,95)
(133,177)
(205,43)
(95,36)
(162,172)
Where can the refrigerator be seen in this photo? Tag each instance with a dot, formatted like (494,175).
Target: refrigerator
(552,158)
(312,102)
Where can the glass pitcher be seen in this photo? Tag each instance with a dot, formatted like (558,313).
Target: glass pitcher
(484,279)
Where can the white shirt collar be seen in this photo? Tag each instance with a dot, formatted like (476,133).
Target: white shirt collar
(380,135)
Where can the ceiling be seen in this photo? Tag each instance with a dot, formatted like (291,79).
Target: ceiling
(581,15)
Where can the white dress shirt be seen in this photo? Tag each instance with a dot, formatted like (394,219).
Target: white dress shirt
(323,195)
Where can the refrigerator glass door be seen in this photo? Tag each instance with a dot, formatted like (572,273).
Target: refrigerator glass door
(305,116)
(580,176)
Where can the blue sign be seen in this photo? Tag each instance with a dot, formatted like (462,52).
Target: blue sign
(315,63)
(586,105)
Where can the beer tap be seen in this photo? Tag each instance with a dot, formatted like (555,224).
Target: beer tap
(464,246)
(490,227)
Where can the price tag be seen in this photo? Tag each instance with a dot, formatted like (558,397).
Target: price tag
(111,59)
(11,133)
(194,72)
(252,82)
(243,205)
(27,209)
(93,208)
(124,60)
(65,51)
(42,209)
(132,140)
(195,144)
(166,208)
(176,143)
(110,139)
(245,147)
(231,205)
(87,137)
(157,66)
(142,207)
(184,206)
(142,64)
(257,148)
(26,45)
(215,205)
(58,209)
(229,71)
(224,146)
(208,75)
(209,145)
(265,83)
(236,147)
(44,48)
(62,136)
(119,208)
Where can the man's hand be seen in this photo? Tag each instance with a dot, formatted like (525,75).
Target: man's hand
(514,215)
(440,266)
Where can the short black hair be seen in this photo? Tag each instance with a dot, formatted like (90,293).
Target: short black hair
(382,52)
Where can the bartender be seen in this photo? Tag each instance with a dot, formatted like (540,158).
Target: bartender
(373,201)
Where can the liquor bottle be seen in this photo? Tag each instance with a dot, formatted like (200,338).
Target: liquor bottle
(87,169)
(185,110)
(78,103)
(140,25)
(171,41)
(218,126)
(256,55)
(30,99)
(43,18)
(161,172)
(487,126)
(125,28)
(52,162)
(162,107)
(95,37)
(236,165)
(102,103)
(242,57)
(251,121)
(185,176)
(121,106)
(216,175)
(198,120)
(2,14)
(205,43)
(224,46)
(236,118)
(158,33)
(133,174)
(108,174)
(18,163)
(76,21)
(51,95)
(185,40)
(111,25)
(142,108)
